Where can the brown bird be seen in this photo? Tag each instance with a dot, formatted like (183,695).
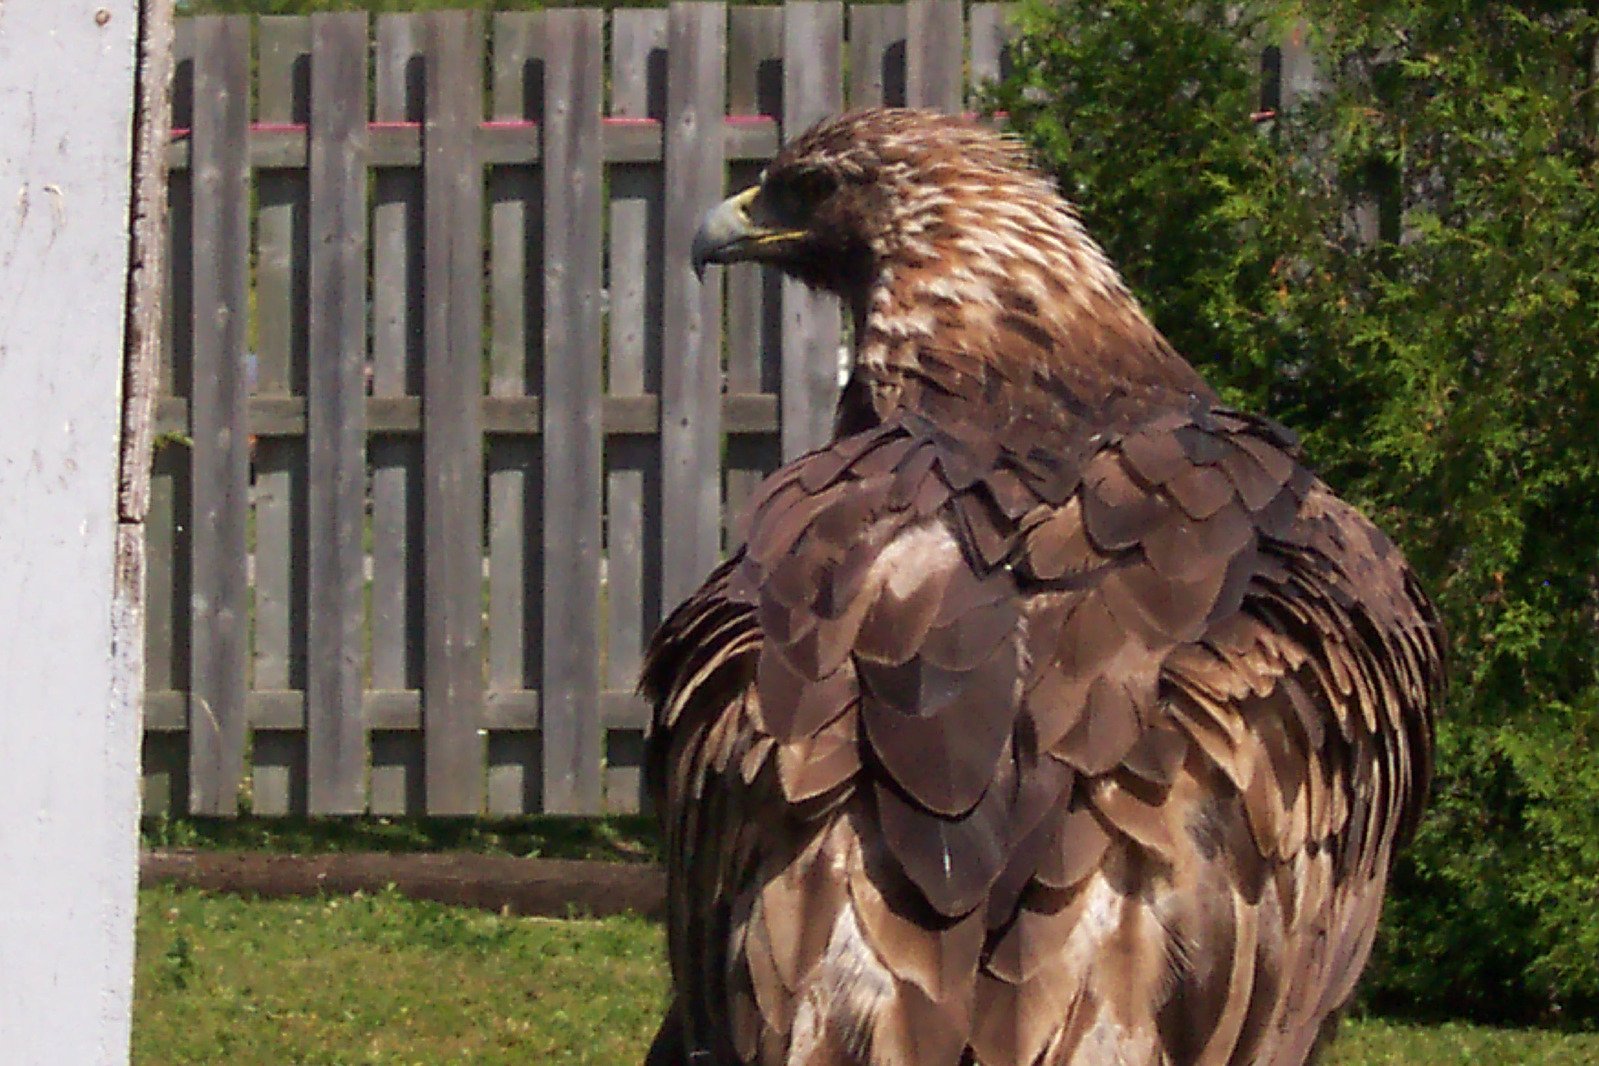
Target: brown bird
(1054,712)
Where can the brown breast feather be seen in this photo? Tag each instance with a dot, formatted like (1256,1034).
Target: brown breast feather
(1003,745)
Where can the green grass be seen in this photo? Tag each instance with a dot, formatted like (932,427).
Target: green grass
(381,979)
(1374,1042)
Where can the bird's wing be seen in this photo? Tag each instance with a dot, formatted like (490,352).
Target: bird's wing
(1025,678)
(1312,709)
(1240,671)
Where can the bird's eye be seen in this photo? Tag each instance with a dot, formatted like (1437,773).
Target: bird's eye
(798,193)
(814,186)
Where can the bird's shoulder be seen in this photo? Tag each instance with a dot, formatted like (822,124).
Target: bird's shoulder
(973,620)
(1141,520)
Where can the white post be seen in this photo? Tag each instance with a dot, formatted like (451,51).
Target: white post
(68,724)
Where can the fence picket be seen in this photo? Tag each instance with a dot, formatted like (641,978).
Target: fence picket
(164,753)
(336,417)
(691,379)
(163,756)
(516,369)
(991,34)
(633,460)
(452,452)
(754,293)
(877,55)
(573,453)
(283,96)
(934,53)
(396,596)
(217,723)
(812,90)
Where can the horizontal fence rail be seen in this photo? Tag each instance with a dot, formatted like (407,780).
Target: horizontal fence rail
(447,421)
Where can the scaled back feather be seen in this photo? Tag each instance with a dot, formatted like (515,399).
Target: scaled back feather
(1053,712)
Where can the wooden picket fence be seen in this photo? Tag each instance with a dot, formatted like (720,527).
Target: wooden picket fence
(448,421)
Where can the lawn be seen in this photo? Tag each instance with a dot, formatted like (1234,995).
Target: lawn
(381,979)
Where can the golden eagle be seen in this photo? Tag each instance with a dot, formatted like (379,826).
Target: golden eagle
(1054,712)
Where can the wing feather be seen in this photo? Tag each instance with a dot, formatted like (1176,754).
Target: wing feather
(1017,746)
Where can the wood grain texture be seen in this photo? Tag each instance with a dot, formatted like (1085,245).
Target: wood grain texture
(177,332)
(452,441)
(274,147)
(516,369)
(877,55)
(754,317)
(148,253)
(755,84)
(220,498)
(282,289)
(691,377)
(166,618)
(991,32)
(633,349)
(166,527)
(812,90)
(336,430)
(573,351)
(935,50)
(397,635)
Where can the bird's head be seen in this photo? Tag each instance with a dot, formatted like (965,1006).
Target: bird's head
(929,225)
(855,192)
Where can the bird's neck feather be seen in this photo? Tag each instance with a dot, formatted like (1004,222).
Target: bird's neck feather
(1013,280)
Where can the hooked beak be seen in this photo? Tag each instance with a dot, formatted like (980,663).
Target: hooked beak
(728,234)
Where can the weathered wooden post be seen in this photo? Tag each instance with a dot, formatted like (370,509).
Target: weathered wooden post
(82,85)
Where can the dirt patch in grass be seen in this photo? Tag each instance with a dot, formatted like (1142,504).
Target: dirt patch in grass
(620,838)
(549,887)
